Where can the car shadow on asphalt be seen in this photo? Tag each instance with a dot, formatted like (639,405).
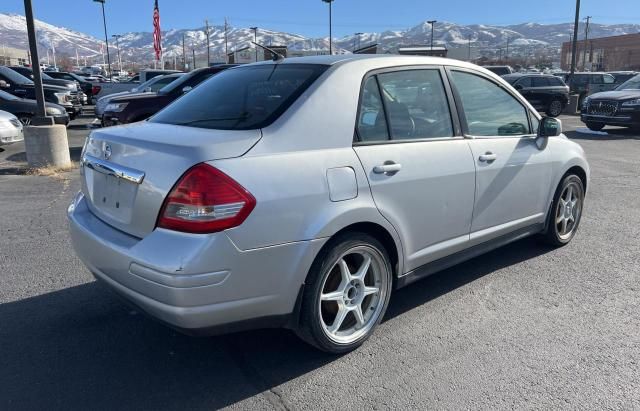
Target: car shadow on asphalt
(82,348)
(612,134)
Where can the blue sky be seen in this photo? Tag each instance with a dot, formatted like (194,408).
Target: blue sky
(309,17)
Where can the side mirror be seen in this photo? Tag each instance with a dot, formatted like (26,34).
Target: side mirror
(187,89)
(549,127)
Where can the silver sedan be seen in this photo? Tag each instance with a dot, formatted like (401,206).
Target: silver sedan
(10,129)
(300,193)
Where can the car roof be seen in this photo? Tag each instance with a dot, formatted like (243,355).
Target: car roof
(380,60)
(519,75)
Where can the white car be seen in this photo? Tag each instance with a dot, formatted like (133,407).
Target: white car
(10,128)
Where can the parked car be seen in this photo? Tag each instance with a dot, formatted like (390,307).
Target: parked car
(87,87)
(20,86)
(140,106)
(302,192)
(149,86)
(586,84)
(143,76)
(25,109)
(620,107)
(500,70)
(74,89)
(10,129)
(622,76)
(545,92)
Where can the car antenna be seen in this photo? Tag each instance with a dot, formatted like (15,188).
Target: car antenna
(276,56)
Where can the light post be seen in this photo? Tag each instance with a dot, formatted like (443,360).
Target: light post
(358,43)
(432,22)
(40,117)
(106,37)
(255,39)
(575,40)
(330,27)
(117,37)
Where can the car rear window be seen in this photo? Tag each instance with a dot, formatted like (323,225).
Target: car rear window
(242,98)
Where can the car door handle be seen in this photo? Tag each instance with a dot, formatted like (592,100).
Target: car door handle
(488,157)
(388,168)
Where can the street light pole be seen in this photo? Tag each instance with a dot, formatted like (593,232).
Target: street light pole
(432,22)
(40,118)
(330,27)
(117,37)
(575,39)
(255,39)
(106,37)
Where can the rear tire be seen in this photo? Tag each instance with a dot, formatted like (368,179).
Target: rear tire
(346,293)
(595,126)
(566,211)
(555,108)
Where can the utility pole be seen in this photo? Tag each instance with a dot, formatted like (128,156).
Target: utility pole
(586,38)
(184,55)
(193,52)
(575,38)
(432,22)
(255,39)
(469,53)
(330,27)
(226,41)
(106,37)
(206,22)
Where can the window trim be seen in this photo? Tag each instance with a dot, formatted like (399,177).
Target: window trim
(453,113)
(463,119)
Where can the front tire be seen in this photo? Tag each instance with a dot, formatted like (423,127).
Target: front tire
(595,126)
(566,211)
(346,293)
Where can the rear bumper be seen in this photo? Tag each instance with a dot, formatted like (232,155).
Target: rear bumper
(195,283)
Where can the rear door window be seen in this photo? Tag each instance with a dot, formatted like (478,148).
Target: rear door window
(372,123)
(540,82)
(525,82)
(242,98)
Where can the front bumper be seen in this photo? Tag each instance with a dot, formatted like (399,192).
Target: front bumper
(10,135)
(192,282)
(618,120)
(73,110)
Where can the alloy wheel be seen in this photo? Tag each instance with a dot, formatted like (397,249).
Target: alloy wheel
(353,294)
(555,108)
(568,210)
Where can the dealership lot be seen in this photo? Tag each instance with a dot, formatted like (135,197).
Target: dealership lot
(524,326)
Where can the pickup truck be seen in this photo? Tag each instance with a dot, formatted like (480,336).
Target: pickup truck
(144,75)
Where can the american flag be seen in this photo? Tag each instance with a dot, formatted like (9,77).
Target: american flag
(157,34)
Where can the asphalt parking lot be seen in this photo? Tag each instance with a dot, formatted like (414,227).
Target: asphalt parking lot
(525,326)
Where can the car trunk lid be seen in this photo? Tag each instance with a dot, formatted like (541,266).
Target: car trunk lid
(128,171)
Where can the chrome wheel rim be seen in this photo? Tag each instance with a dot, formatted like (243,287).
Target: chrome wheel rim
(25,120)
(556,108)
(568,211)
(353,294)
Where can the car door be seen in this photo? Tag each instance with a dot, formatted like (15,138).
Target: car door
(419,166)
(512,174)
(542,92)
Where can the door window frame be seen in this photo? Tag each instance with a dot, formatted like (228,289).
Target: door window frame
(460,108)
(453,112)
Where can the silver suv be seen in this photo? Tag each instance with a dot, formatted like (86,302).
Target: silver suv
(301,193)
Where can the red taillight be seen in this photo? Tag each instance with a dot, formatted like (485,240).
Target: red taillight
(95,89)
(205,200)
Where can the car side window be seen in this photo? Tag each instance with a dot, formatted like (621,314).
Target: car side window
(372,124)
(609,79)
(524,82)
(416,104)
(489,109)
(540,82)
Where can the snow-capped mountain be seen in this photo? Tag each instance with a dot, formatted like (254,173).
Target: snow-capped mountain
(138,46)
